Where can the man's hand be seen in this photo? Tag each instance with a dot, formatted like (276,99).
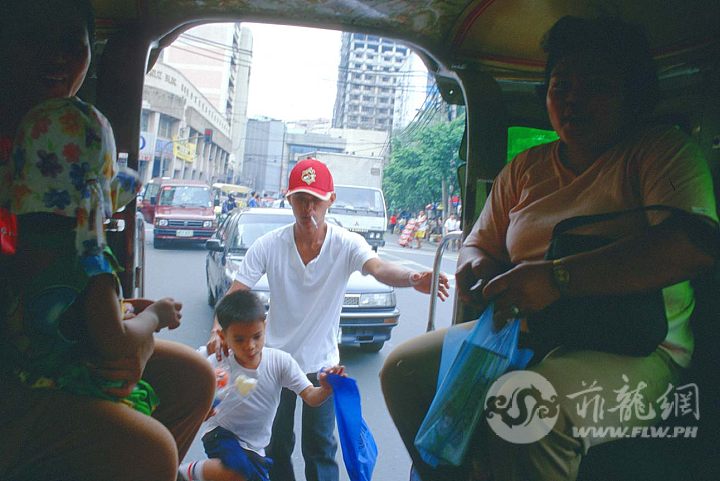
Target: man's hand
(422,282)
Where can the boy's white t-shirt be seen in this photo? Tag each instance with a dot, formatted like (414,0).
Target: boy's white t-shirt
(305,300)
(250,417)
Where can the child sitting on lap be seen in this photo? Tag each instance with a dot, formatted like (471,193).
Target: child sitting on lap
(236,435)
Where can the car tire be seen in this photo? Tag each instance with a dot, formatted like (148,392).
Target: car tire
(375,248)
(372,346)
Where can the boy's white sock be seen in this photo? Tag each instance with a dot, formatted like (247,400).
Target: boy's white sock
(191,471)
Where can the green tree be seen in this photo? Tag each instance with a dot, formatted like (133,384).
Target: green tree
(421,158)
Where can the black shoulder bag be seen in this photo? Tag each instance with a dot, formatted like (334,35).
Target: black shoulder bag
(631,324)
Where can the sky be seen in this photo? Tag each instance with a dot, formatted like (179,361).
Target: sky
(294,72)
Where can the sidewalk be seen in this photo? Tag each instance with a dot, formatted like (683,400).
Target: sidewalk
(427,246)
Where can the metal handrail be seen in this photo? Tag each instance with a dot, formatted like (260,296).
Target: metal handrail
(140,260)
(450,236)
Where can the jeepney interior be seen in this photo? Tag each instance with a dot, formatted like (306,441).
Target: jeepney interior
(484,54)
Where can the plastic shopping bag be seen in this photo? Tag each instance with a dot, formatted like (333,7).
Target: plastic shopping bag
(482,357)
(358,445)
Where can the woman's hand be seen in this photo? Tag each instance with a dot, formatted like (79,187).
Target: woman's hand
(133,307)
(524,289)
(167,311)
(127,370)
(469,282)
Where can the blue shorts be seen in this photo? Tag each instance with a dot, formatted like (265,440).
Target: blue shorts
(224,445)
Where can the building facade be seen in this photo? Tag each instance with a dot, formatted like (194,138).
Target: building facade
(263,160)
(174,122)
(367,81)
(216,59)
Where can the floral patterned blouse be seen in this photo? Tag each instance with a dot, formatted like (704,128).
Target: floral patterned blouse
(64,163)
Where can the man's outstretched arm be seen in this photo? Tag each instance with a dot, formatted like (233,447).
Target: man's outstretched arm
(398,276)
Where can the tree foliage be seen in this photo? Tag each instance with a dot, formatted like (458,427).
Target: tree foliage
(421,158)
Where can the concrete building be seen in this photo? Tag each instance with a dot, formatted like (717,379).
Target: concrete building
(270,139)
(367,80)
(216,58)
(263,160)
(173,124)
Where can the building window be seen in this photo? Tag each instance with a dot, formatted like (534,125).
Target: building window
(402,50)
(165,127)
(144,121)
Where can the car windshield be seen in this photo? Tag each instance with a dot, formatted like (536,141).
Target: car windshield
(186,196)
(359,200)
(250,227)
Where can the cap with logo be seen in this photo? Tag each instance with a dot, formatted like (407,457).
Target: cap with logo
(313,177)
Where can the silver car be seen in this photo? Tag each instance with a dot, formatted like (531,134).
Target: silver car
(369,310)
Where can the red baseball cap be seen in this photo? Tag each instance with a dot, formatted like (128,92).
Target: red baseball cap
(313,177)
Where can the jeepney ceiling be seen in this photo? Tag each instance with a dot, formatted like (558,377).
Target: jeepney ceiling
(501,36)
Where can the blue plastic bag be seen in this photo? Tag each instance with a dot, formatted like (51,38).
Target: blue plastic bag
(479,356)
(358,445)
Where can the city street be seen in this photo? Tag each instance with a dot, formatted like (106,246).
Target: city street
(180,273)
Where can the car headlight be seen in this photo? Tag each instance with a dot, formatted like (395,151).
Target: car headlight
(381,299)
(207,223)
(264,297)
(162,222)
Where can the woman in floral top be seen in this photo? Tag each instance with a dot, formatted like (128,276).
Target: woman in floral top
(71,359)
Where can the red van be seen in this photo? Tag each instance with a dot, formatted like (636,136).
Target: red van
(179,210)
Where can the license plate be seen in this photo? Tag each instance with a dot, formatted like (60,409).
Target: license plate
(184,233)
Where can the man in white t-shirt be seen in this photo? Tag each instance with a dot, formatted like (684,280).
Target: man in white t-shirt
(308,265)
(452,224)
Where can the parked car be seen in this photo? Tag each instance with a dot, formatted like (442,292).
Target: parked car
(180,210)
(369,311)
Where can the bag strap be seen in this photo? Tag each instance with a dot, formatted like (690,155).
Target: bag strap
(582,220)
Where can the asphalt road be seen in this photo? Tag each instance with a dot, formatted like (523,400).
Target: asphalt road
(180,273)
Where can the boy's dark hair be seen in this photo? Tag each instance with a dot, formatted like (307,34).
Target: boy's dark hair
(612,40)
(239,307)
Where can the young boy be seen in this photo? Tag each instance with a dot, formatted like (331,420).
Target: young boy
(236,435)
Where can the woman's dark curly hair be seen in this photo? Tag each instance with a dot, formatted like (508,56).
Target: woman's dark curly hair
(19,15)
(613,40)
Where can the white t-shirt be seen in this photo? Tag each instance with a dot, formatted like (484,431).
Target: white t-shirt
(451,225)
(305,300)
(250,417)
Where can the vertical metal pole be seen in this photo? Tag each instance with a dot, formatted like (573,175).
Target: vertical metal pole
(450,236)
